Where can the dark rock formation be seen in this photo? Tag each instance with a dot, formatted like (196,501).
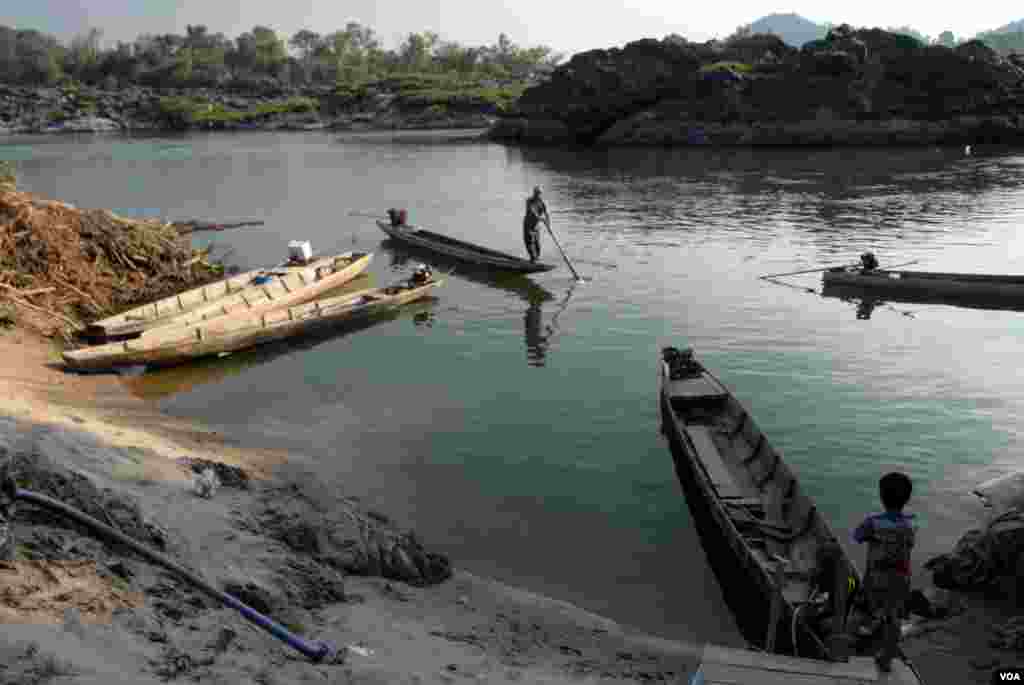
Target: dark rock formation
(853,87)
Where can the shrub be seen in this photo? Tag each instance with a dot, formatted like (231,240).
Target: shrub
(7,175)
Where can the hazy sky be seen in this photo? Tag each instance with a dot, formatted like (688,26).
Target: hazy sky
(565,26)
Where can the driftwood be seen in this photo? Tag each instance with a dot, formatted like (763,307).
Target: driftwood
(194,226)
(22,303)
(28,292)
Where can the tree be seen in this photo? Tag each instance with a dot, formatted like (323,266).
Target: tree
(416,51)
(744,31)
(270,52)
(306,42)
(947,39)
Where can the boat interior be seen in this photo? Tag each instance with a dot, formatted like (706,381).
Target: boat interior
(775,526)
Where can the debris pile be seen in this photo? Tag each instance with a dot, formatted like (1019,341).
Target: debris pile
(60,265)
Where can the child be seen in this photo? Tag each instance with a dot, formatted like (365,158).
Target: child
(890,538)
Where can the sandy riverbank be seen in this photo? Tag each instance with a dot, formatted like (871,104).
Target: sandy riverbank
(465,629)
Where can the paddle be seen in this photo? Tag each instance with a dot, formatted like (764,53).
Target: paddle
(837,266)
(564,256)
(378,215)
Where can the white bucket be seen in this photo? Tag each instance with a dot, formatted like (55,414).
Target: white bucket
(300,250)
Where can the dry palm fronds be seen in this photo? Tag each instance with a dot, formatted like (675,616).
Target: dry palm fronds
(78,264)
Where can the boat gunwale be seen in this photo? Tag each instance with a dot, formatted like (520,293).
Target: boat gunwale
(182,347)
(884,276)
(116,328)
(452,247)
(720,515)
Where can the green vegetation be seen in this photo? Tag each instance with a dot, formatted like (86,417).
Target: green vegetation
(7,173)
(203,59)
(186,111)
(738,67)
(8,316)
(438,92)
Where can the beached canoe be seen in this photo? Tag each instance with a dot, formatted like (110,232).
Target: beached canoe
(997,288)
(253,291)
(461,250)
(178,344)
(782,570)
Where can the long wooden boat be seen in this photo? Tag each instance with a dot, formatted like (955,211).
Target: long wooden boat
(730,666)
(511,282)
(253,291)
(774,554)
(930,284)
(461,250)
(177,344)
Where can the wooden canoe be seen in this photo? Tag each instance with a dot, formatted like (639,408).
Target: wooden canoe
(930,284)
(253,291)
(774,554)
(177,344)
(729,666)
(461,250)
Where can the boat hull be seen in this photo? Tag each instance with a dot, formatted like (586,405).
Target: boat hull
(229,334)
(461,250)
(976,288)
(288,286)
(751,514)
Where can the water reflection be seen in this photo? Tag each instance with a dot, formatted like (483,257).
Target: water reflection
(539,337)
(536,335)
(879,196)
(866,303)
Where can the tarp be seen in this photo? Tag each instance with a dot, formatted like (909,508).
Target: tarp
(1003,493)
(982,557)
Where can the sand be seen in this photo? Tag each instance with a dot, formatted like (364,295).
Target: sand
(106,616)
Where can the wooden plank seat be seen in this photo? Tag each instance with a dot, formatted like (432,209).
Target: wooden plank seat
(721,477)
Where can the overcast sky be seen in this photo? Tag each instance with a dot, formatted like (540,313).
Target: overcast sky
(567,27)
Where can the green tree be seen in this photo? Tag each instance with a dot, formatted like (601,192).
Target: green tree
(269,49)
(416,52)
(947,39)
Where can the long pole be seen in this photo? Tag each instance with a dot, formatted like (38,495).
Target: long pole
(836,266)
(378,215)
(564,256)
(316,651)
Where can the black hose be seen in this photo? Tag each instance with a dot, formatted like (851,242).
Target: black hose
(314,650)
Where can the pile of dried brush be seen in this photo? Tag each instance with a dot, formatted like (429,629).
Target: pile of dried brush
(61,266)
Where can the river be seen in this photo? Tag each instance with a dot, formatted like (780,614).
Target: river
(514,423)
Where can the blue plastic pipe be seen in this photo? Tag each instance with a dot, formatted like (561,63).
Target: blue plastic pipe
(316,651)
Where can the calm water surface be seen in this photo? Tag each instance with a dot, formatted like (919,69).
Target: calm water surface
(513,423)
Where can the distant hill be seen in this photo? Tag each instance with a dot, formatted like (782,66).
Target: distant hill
(791,28)
(1012,27)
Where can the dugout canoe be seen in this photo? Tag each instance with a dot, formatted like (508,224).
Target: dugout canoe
(781,568)
(254,291)
(177,344)
(970,287)
(461,250)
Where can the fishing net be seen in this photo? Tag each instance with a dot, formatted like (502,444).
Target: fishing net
(60,265)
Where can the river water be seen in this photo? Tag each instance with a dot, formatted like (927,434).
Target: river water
(514,423)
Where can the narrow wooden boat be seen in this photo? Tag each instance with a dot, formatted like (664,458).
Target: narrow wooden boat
(461,250)
(176,344)
(253,291)
(729,666)
(930,284)
(872,297)
(774,554)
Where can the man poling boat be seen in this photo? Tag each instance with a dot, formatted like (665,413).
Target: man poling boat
(536,211)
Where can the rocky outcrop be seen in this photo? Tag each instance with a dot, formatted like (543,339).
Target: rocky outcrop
(865,87)
(90,110)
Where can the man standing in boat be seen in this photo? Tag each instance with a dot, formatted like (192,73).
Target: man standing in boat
(536,211)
